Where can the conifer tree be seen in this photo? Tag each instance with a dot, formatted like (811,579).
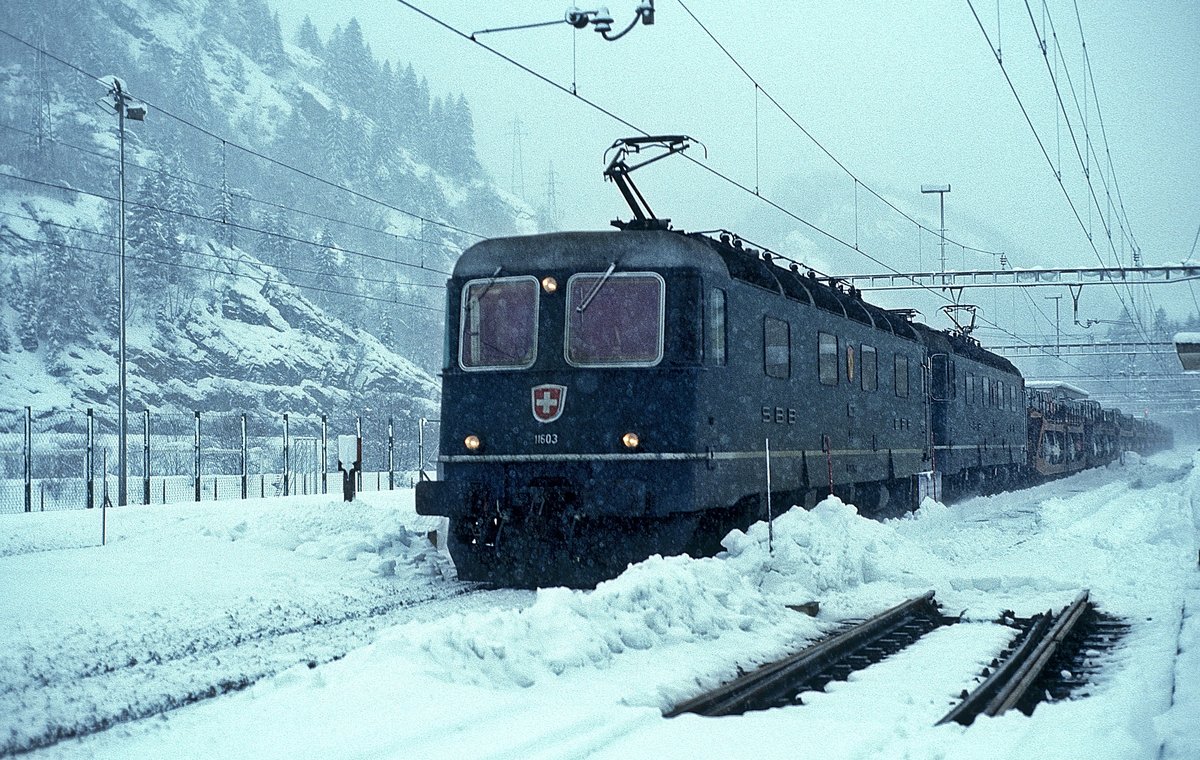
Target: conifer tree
(307,38)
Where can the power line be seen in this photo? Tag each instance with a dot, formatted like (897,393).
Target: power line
(214,255)
(227,272)
(302,172)
(240,195)
(1127,228)
(759,88)
(711,170)
(1046,154)
(211,220)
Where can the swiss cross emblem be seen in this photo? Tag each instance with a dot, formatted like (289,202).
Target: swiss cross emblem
(548,402)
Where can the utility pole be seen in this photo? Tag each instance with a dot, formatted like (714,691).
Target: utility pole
(518,160)
(552,197)
(136,113)
(941,190)
(1057,332)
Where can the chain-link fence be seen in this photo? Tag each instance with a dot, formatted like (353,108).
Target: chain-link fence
(70,459)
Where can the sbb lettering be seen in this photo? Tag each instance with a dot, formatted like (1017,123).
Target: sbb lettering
(780,415)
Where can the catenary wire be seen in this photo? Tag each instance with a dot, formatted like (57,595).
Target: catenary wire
(214,255)
(236,194)
(235,225)
(226,272)
(759,88)
(302,172)
(695,161)
(1049,160)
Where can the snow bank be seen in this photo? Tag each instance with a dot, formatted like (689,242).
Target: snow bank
(592,670)
(374,541)
(741,594)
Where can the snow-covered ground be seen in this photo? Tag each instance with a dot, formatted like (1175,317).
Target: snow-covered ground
(351,639)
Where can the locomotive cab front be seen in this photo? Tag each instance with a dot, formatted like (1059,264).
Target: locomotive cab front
(568,425)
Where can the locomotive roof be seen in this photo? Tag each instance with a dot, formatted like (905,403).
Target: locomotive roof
(670,249)
(939,340)
(640,249)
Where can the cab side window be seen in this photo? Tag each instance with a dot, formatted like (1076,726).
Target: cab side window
(869,370)
(827,358)
(777,348)
(715,323)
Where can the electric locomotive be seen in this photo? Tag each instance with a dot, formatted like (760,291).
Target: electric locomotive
(611,395)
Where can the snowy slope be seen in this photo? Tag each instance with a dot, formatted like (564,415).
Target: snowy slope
(586,674)
(249,342)
(353,242)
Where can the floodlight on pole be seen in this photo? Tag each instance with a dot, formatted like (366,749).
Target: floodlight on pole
(941,190)
(124,111)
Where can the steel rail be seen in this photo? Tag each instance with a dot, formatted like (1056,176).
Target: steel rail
(730,697)
(1011,681)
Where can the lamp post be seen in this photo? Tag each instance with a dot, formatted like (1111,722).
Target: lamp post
(941,190)
(136,113)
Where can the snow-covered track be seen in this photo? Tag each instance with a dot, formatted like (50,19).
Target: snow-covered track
(44,712)
(1012,682)
(863,644)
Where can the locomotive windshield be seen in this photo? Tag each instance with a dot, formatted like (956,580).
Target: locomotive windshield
(615,319)
(499,323)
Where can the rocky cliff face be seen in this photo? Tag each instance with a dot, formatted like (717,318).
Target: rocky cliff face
(293,207)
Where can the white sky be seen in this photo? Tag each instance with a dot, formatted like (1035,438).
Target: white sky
(901,93)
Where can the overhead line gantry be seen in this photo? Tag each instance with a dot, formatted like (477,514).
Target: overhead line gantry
(1007,278)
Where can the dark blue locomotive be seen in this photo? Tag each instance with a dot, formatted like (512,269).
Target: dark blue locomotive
(611,395)
(608,395)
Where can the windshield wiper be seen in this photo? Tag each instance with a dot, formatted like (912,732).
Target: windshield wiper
(488,285)
(596,289)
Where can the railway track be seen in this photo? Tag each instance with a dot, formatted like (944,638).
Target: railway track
(1051,656)
(1049,659)
(856,647)
(42,712)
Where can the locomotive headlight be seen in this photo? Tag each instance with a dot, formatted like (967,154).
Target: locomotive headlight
(630,440)
(472,443)
(549,284)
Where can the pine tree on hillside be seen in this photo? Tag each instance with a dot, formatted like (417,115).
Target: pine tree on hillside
(352,74)
(274,245)
(460,133)
(66,310)
(348,148)
(222,212)
(153,234)
(191,86)
(25,301)
(329,266)
(5,340)
(308,39)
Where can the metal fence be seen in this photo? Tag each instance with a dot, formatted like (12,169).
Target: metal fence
(68,459)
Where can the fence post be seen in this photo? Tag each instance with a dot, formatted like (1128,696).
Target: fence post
(28,459)
(286,457)
(146,457)
(358,433)
(391,456)
(245,468)
(421,449)
(196,458)
(324,453)
(90,459)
